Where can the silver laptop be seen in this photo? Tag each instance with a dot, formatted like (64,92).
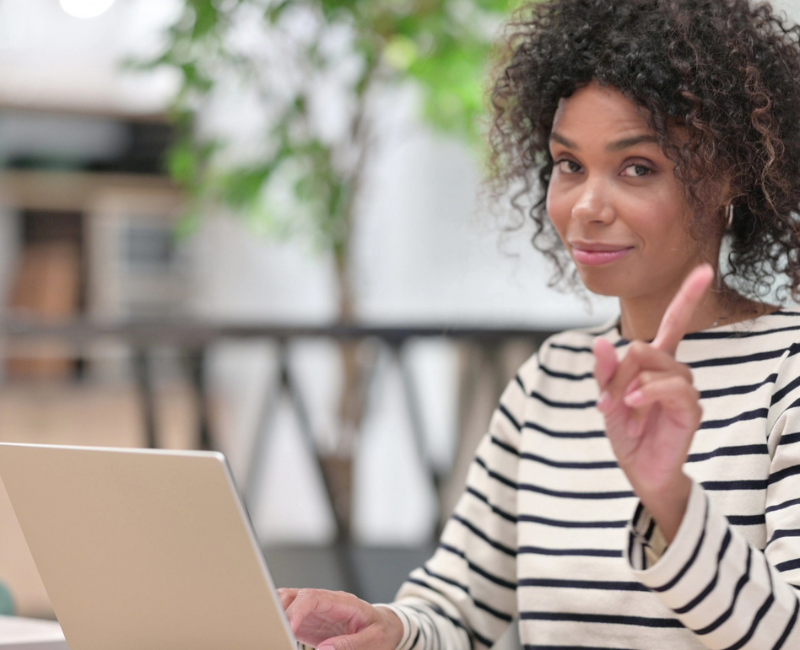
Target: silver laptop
(144,549)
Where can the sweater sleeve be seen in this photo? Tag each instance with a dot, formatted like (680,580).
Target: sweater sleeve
(730,593)
(465,595)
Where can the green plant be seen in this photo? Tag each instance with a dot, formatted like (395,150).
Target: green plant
(6,602)
(368,46)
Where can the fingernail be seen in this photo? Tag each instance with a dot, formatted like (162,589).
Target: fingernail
(603,401)
(635,398)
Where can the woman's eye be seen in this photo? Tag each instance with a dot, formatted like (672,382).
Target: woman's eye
(636,171)
(568,166)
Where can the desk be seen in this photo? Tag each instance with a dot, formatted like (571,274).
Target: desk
(30,634)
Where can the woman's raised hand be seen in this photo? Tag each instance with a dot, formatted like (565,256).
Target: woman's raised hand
(651,408)
(335,620)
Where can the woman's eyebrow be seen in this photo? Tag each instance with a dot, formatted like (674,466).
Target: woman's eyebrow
(619,145)
(562,140)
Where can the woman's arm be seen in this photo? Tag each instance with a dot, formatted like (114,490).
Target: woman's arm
(728,592)
(651,408)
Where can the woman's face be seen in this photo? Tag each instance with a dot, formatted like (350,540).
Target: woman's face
(615,201)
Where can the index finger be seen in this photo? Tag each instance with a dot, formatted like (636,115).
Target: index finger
(676,319)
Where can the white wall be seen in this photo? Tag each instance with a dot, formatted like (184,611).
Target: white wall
(48,58)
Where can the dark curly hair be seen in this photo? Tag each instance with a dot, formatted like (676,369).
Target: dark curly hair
(726,71)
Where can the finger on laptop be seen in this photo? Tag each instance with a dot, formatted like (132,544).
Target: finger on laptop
(287,596)
(302,603)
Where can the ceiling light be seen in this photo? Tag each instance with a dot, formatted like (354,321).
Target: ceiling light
(85,8)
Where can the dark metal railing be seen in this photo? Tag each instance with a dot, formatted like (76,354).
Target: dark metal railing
(195,339)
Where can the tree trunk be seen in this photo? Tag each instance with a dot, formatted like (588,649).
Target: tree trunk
(338,465)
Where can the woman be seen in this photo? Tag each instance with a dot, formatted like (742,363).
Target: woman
(639,486)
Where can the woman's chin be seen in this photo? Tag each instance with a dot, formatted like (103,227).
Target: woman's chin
(602,284)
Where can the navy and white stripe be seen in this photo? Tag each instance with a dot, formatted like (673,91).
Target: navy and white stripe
(550,533)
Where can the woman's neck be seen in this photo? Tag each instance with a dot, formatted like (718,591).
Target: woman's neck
(641,318)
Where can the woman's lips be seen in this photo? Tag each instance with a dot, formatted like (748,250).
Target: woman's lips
(596,256)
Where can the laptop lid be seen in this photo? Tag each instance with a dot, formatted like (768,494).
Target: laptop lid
(144,548)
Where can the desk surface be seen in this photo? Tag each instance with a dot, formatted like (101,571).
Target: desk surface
(30,634)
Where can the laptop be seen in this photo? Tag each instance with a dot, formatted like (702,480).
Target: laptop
(144,548)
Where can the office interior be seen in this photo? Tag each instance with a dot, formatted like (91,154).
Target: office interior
(171,340)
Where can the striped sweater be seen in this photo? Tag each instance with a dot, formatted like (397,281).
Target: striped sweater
(550,533)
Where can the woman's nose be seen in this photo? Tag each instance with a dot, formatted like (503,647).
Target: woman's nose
(593,204)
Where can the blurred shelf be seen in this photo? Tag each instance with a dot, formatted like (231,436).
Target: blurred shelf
(63,108)
(77,190)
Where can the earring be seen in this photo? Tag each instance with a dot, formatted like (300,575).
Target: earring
(729,215)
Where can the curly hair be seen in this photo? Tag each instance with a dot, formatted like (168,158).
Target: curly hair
(726,71)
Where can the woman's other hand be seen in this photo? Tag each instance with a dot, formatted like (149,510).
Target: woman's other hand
(652,410)
(335,620)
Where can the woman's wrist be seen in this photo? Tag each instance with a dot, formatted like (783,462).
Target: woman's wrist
(668,505)
(392,624)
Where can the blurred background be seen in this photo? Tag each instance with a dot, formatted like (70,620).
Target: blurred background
(256,226)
